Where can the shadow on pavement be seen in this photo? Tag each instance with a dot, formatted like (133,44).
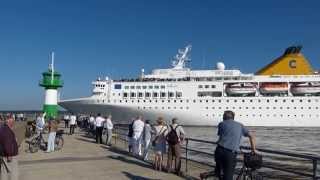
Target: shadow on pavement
(135,177)
(85,140)
(129,161)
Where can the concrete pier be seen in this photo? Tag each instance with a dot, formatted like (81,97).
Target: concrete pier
(82,159)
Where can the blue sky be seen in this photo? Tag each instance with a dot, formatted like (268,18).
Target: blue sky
(117,38)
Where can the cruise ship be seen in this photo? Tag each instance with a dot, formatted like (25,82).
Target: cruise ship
(284,93)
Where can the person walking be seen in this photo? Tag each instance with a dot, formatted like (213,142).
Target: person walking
(73,120)
(99,128)
(137,126)
(159,143)
(147,133)
(9,153)
(66,119)
(53,127)
(130,136)
(108,126)
(230,133)
(175,138)
(91,124)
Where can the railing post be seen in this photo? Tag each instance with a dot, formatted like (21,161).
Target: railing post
(315,169)
(186,149)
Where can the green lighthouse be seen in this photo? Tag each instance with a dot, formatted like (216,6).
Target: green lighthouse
(51,82)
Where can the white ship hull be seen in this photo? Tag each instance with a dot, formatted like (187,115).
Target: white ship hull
(278,114)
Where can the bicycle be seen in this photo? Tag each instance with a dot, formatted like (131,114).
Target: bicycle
(251,162)
(38,142)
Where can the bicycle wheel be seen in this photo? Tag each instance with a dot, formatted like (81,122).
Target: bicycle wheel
(34,145)
(58,144)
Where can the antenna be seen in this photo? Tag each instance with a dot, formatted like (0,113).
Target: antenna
(181,58)
(52,66)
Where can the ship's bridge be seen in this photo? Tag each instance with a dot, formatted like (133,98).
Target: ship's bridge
(99,86)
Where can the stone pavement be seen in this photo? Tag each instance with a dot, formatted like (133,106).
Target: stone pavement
(82,159)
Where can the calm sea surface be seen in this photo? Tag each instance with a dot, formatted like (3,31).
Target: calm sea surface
(301,140)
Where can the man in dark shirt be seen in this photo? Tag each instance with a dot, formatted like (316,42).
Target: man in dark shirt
(230,133)
(9,152)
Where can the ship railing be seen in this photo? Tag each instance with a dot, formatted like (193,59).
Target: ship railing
(276,164)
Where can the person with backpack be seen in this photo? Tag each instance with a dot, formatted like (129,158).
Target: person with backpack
(8,153)
(175,138)
(159,143)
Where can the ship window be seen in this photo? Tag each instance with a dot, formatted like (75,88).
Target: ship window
(227,108)
(117,86)
(156,87)
(209,93)
(259,100)
(126,101)
(275,100)
(147,94)
(213,86)
(150,87)
(300,100)
(174,101)
(187,101)
(253,108)
(171,94)
(243,100)
(125,94)
(187,107)
(280,107)
(274,108)
(131,87)
(251,100)
(207,100)
(212,107)
(138,101)
(163,94)
(259,107)
(155,94)
(155,101)
(163,101)
(309,100)
(163,87)
(288,107)
(295,108)
(132,101)
(235,101)
(317,107)
(120,101)
(206,86)
(301,107)
(140,94)
(181,101)
(200,101)
(219,101)
(213,101)
(194,101)
(138,87)
(174,108)
(247,108)
(150,100)
(200,86)
(309,107)
(179,94)
(284,100)
(267,100)
(207,108)
(144,87)
(227,101)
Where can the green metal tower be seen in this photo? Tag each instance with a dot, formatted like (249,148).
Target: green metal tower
(51,82)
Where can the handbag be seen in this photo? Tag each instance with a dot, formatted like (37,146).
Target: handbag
(253,160)
(154,142)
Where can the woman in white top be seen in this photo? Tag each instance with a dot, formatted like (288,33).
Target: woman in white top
(159,142)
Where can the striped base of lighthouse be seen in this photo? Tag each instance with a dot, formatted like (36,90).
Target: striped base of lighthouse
(50,110)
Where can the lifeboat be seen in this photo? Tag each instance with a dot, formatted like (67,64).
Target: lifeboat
(305,88)
(239,89)
(274,88)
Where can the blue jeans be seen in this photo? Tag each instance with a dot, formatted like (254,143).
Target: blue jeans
(51,138)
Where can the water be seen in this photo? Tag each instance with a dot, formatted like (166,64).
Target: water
(300,140)
(296,140)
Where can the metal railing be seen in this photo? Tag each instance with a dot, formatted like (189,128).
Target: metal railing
(303,165)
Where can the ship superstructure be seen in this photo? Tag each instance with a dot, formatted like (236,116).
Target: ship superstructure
(284,93)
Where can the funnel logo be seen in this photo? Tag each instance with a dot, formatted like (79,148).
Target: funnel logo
(293,64)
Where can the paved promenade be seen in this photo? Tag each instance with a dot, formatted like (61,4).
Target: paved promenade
(82,159)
